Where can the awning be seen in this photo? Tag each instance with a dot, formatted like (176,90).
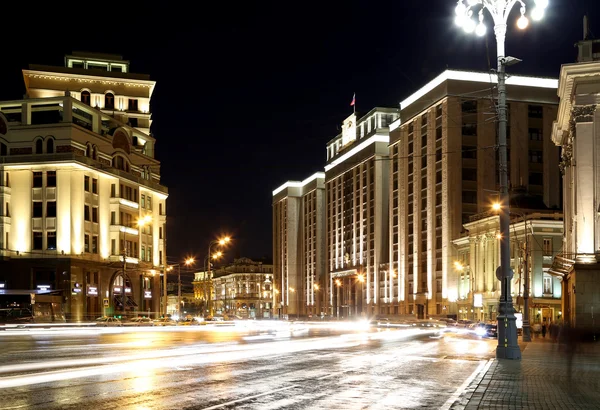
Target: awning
(561,266)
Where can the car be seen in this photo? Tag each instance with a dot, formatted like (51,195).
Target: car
(105,321)
(140,321)
(189,322)
(491,330)
(166,321)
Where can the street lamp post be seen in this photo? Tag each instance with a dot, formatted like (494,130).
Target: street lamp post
(500,10)
(221,242)
(188,262)
(338,285)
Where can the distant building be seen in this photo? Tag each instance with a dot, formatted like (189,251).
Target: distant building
(576,132)
(299,252)
(77,172)
(243,288)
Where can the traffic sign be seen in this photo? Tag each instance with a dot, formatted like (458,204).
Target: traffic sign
(105,301)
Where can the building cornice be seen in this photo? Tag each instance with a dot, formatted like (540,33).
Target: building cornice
(299,184)
(569,75)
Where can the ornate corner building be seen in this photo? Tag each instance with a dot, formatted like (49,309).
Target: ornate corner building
(82,208)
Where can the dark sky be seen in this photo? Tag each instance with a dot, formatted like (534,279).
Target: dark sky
(247,96)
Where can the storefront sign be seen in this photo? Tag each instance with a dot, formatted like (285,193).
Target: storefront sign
(127,290)
(92,291)
(117,290)
(478,300)
(147,294)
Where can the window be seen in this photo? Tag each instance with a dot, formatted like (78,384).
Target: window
(469,152)
(548,251)
(133,122)
(95,214)
(469,129)
(113,247)
(535,134)
(50,146)
(149,203)
(160,257)
(536,178)
(113,218)
(94,186)
(51,240)
(536,111)
(536,156)
(143,201)
(37,209)
(85,97)
(149,254)
(37,180)
(547,284)
(39,146)
(160,209)
(120,163)
(160,232)
(109,101)
(469,107)
(469,174)
(133,104)
(94,244)
(113,191)
(51,209)
(86,183)
(143,253)
(51,178)
(86,212)
(38,241)
(87,243)
(3,149)
(469,197)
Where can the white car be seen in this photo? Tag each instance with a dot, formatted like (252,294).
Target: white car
(108,321)
(140,321)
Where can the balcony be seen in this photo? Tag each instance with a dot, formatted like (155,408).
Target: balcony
(125,229)
(125,202)
(4,220)
(4,189)
(119,258)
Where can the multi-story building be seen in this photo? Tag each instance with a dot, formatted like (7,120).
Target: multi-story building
(299,247)
(82,207)
(443,169)
(356,179)
(243,288)
(535,239)
(576,131)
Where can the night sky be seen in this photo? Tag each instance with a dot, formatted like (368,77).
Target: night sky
(247,96)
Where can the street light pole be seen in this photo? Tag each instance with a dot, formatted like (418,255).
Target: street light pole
(221,242)
(500,10)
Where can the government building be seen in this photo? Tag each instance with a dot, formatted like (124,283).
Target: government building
(83,210)
(406,200)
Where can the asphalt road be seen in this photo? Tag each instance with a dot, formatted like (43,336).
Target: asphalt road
(225,368)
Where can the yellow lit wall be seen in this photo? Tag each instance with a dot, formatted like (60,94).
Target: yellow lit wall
(63,211)
(104,183)
(21,182)
(77,202)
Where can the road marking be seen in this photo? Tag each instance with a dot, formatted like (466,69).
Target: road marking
(331,375)
(482,368)
(249,398)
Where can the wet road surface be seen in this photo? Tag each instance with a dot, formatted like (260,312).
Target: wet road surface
(225,368)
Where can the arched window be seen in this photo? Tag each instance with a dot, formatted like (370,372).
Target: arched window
(121,163)
(109,101)
(39,146)
(85,97)
(88,151)
(95,153)
(50,146)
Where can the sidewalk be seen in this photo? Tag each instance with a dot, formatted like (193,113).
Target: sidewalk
(540,380)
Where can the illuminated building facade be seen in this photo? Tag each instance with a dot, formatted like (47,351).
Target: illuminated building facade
(77,173)
(443,170)
(576,131)
(536,238)
(243,288)
(356,180)
(299,247)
